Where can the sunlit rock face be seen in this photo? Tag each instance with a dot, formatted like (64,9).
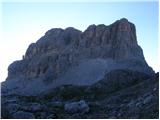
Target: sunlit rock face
(69,56)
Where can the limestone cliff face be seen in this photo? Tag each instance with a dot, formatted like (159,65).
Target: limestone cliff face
(115,41)
(63,53)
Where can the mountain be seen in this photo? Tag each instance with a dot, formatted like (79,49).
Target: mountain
(70,56)
(70,65)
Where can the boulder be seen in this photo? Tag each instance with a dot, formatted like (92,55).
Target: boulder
(148,99)
(23,115)
(12,108)
(77,107)
(33,107)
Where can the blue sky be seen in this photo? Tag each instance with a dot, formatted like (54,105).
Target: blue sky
(24,23)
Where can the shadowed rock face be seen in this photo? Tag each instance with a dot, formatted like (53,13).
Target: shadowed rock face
(69,56)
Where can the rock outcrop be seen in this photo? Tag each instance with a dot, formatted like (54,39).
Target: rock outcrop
(69,56)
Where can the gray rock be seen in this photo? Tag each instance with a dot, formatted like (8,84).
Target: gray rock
(33,107)
(23,115)
(56,104)
(131,104)
(77,107)
(12,108)
(10,100)
(139,104)
(52,116)
(5,113)
(41,115)
(148,99)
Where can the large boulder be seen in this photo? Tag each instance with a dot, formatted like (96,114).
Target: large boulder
(77,107)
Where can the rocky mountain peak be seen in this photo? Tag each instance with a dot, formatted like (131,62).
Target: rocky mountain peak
(124,20)
(99,73)
(54,31)
(124,25)
(120,34)
(69,56)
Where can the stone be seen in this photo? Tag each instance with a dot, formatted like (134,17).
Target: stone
(23,115)
(52,116)
(33,107)
(10,100)
(77,107)
(5,112)
(148,99)
(57,104)
(41,115)
(12,108)
(131,104)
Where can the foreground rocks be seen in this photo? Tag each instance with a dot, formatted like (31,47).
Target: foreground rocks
(139,100)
